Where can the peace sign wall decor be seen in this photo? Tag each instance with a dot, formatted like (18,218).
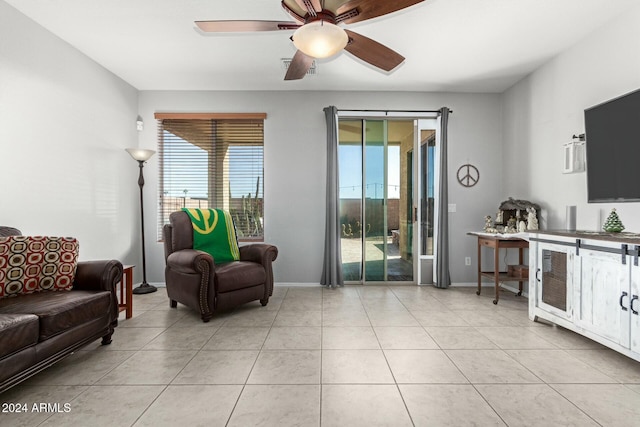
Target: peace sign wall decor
(468,175)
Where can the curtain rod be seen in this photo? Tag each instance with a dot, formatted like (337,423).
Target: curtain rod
(393,111)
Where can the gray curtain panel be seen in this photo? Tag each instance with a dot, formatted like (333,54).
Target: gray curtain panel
(443,278)
(332,265)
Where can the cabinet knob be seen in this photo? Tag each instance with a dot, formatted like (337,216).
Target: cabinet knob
(633,299)
(624,294)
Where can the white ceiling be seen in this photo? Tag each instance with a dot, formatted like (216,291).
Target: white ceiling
(450,45)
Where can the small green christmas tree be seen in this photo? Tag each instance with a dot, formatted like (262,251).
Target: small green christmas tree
(613,223)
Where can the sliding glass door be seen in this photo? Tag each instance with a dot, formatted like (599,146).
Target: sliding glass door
(378,193)
(376,200)
(350,161)
(426,195)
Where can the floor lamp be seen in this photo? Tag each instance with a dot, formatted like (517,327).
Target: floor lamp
(141,156)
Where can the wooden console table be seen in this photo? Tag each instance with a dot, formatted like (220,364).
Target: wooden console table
(498,242)
(126,291)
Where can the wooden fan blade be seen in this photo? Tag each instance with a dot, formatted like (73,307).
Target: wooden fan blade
(311,6)
(244,26)
(295,12)
(373,52)
(299,66)
(368,9)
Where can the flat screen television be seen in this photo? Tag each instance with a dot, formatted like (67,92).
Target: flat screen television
(613,150)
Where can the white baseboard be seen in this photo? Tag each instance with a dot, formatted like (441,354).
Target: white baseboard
(488,285)
(464,285)
(291,285)
(297,284)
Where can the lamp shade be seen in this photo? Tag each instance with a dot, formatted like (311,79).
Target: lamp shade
(140,154)
(320,39)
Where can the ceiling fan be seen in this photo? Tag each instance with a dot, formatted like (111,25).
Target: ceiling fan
(317,34)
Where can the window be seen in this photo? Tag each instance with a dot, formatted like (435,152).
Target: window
(213,161)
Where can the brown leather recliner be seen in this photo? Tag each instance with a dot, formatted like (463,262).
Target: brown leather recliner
(195,280)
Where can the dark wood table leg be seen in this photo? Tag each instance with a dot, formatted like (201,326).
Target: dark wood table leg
(479,267)
(521,262)
(129,286)
(496,270)
(126,291)
(122,304)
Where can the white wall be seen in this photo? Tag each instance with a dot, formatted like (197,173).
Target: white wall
(544,110)
(295,158)
(65,121)
(64,124)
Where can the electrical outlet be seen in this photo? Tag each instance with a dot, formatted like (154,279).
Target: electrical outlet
(467,260)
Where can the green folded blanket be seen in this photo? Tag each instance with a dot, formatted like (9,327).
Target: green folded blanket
(214,233)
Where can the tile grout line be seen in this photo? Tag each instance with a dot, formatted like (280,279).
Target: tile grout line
(235,405)
(384,354)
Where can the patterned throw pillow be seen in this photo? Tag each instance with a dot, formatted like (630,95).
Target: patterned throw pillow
(37,263)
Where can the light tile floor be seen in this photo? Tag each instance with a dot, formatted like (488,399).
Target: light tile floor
(354,356)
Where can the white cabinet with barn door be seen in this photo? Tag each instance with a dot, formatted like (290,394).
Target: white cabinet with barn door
(602,293)
(588,283)
(551,293)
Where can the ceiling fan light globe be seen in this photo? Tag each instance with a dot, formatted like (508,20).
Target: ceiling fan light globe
(320,39)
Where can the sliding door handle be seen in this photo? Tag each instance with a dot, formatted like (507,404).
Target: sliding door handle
(624,294)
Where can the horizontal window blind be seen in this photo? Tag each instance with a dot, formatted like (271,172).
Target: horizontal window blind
(213,163)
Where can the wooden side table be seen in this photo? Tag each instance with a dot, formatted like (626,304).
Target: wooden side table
(126,291)
(497,242)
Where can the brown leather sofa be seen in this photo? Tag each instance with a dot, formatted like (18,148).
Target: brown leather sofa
(195,280)
(38,329)
(9,231)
